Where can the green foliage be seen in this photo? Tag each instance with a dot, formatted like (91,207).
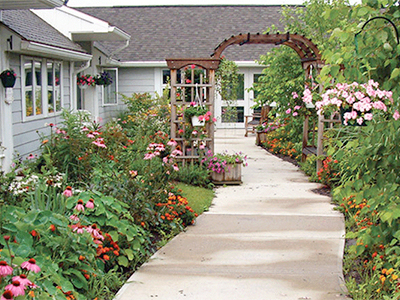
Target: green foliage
(371,53)
(193,174)
(227,79)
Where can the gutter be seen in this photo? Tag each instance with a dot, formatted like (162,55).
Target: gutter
(54,51)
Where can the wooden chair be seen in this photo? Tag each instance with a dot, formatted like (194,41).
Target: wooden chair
(255,119)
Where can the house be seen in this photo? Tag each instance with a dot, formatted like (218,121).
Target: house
(46,62)
(160,32)
(49,47)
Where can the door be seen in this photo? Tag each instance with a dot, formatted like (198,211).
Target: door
(231,113)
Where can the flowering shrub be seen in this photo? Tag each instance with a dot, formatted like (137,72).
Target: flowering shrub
(328,173)
(87,80)
(277,142)
(359,102)
(175,208)
(268,126)
(220,162)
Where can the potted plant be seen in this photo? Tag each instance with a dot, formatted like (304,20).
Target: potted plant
(103,79)
(8,78)
(197,114)
(84,81)
(225,168)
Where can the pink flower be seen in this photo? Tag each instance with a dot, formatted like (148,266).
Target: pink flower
(360,121)
(295,114)
(188,81)
(294,95)
(31,265)
(23,280)
(7,295)
(201,118)
(5,269)
(79,206)
(74,218)
(90,135)
(172,143)
(90,204)
(193,66)
(214,120)
(396,115)
(297,107)
(175,166)
(288,111)
(68,191)
(368,117)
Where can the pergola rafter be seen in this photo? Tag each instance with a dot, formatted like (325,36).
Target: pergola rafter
(305,48)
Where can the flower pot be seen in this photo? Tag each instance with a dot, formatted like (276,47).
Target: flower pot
(8,81)
(196,121)
(231,175)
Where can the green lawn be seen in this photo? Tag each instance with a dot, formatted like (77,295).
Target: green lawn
(199,198)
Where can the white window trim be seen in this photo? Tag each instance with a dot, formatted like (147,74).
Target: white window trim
(44,85)
(116,88)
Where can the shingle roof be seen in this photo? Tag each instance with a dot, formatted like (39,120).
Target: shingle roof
(32,28)
(160,32)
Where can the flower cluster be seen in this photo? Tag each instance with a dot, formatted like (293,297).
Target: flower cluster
(83,80)
(19,283)
(268,126)
(176,208)
(220,162)
(357,101)
(327,174)
(159,149)
(20,186)
(103,79)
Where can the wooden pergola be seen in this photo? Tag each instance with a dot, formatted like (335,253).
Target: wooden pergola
(310,57)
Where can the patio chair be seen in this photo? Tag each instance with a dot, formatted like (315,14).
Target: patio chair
(255,119)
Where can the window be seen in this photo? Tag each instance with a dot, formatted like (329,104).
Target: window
(53,86)
(110,92)
(232,114)
(256,80)
(37,85)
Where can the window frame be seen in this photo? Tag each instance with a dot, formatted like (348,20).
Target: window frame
(44,87)
(103,88)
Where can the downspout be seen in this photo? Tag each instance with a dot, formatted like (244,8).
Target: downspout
(73,81)
(119,49)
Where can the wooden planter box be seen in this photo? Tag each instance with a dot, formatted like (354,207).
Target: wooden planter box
(261,137)
(232,175)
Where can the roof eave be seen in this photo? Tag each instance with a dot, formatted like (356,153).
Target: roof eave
(33,4)
(54,52)
(113,34)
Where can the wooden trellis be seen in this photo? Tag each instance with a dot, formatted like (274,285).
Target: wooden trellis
(188,77)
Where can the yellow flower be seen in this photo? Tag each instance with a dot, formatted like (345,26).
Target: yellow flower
(31,294)
(394,276)
(390,271)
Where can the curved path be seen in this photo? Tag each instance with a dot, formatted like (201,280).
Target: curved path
(270,238)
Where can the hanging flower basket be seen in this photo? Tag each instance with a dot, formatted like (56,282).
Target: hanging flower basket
(84,81)
(103,79)
(196,121)
(8,78)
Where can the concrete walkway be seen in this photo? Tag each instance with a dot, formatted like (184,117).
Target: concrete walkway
(270,238)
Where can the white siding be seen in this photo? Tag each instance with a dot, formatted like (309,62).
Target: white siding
(136,80)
